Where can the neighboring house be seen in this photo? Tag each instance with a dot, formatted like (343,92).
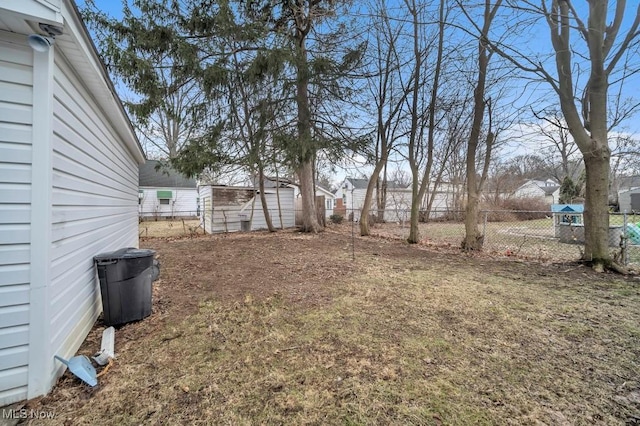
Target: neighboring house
(329,197)
(629,200)
(329,202)
(546,190)
(398,202)
(164,192)
(234,208)
(68,189)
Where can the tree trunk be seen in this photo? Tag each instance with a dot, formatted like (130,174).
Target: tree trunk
(473,240)
(263,199)
(309,218)
(596,209)
(306,152)
(364,215)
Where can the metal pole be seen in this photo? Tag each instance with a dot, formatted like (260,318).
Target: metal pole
(484,228)
(625,242)
(353,223)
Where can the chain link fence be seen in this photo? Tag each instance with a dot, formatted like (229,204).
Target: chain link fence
(539,235)
(167,214)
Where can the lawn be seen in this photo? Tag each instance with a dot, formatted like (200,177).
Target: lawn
(287,329)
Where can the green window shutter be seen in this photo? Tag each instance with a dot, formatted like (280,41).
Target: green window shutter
(165,195)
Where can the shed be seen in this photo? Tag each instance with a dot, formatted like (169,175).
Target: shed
(629,200)
(68,189)
(235,208)
(165,192)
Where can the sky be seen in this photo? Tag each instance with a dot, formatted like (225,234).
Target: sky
(535,39)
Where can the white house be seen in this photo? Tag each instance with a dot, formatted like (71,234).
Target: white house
(546,190)
(234,208)
(68,189)
(398,201)
(164,192)
(629,200)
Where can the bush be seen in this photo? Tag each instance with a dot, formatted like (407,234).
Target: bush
(336,218)
(513,209)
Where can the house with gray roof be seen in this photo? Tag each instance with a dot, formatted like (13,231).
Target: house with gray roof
(165,192)
(546,190)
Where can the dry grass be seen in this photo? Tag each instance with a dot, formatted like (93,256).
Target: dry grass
(169,228)
(403,336)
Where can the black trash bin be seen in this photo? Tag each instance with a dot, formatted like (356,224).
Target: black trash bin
(125,284)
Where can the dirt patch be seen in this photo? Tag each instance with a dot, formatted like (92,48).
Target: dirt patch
(286,328)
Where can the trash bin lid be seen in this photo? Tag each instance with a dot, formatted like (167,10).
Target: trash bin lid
(124,253)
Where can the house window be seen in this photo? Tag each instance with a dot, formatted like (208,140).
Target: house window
(329,204)
(164,197)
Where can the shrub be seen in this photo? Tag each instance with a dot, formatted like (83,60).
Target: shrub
(336,218)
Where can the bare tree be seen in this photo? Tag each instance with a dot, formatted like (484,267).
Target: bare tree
(421,184)
(389,98)
(473,239)
(587,114)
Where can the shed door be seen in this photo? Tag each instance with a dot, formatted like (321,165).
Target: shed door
(635,202)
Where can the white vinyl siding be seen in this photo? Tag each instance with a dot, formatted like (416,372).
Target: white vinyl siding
(184,202)
(95,207)
(16,97)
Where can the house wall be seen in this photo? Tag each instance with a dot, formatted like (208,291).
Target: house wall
(94,208)
(184,202)
(624,200)
(16,100)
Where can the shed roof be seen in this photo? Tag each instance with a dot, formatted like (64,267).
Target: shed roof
(363,183)
(158,174)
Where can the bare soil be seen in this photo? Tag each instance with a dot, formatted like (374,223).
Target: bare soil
(287,328)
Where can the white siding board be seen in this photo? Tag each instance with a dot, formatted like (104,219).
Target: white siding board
(18,134)
(71,100)
(14,234)
(185,202)
(13,379)
(13,153)
(15,76)
(12,93)
(94,242)
(72,213)
(14,274)
(14,295)
(14,214)
(14,336)
(15,113)
(15,173)
(18,193)
(95,207)
(287,206)
(17,356)
(14,254)
(15,315)
(16,95)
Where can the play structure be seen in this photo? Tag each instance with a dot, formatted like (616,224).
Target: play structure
(633,233)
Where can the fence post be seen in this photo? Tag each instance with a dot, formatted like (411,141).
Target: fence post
(625,238)
(484,228)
